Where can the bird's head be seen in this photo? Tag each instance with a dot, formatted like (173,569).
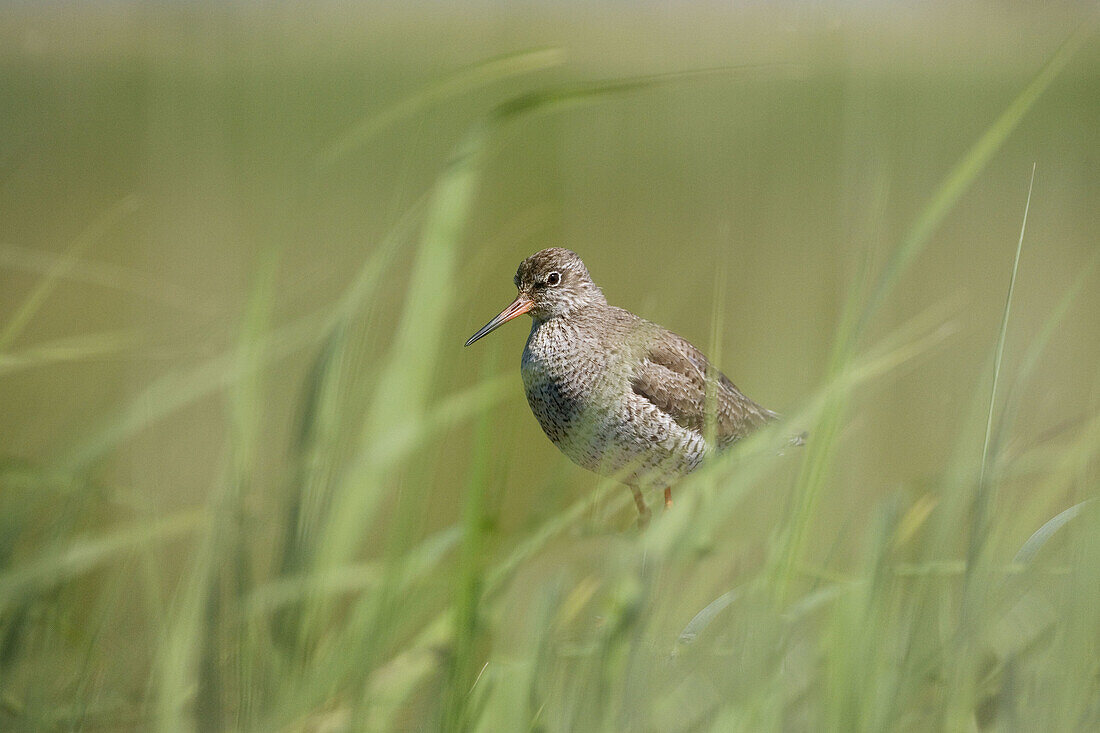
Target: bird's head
(553,282)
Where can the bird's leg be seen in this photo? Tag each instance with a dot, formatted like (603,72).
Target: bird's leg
(668,497)
(643,510)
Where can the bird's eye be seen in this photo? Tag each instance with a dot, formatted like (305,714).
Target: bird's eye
(553,279)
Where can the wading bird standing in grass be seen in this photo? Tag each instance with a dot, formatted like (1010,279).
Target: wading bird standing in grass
(616,393)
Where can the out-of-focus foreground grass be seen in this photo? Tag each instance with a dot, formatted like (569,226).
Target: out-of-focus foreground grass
(250,480)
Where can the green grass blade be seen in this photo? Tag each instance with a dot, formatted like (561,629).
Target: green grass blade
(175,390)
(568,96)
(95,231)
(356,578)
(463,82)
(105,275)
(855,320)
(469,583)
(983,498)
(85,555)
(401,393)
(85,347)
(1003,336)
(1041,536)
(701,620)
(966,171)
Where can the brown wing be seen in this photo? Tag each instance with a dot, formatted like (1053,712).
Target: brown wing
(673,376)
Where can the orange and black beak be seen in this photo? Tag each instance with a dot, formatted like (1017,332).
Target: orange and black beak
(519,306)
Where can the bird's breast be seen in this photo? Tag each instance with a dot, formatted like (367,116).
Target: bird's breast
(578,384)
(562,373)
(557,384)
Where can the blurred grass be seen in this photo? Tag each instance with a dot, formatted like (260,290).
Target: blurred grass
(352,574)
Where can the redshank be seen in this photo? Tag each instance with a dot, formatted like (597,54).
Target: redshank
(616,393)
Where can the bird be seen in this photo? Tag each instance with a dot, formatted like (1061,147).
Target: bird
(617,394)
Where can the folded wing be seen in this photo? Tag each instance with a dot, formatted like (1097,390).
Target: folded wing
(674,376)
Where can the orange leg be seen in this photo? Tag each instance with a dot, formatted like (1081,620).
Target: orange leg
(668,497)
(643,510)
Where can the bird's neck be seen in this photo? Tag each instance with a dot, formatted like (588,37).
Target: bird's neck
(579,312)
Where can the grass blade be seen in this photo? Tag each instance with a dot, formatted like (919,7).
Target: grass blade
(401,394)
(105,275)
(983,498)
(84,347)
(183,387)
(1035,542)
(85,555)
(1002,336)
(456,85)
(61,267)
(960,178)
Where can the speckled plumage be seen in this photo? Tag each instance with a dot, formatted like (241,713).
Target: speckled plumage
(616,393)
